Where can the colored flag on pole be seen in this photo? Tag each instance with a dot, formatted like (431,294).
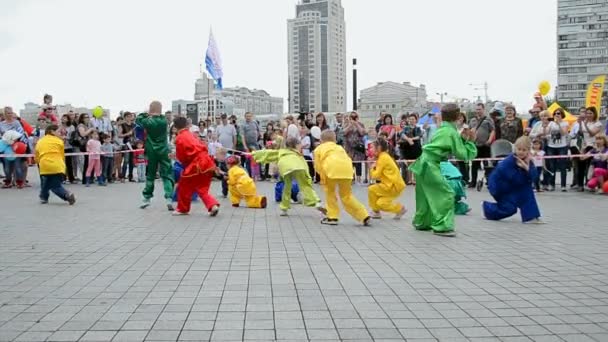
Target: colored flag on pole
(213,61)
(595,92)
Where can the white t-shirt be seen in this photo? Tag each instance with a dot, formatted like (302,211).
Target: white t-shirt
(588,140)
(556,138)
(537,158)
(305,142)
(213,147)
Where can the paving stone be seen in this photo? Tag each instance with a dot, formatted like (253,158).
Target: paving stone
(141,275)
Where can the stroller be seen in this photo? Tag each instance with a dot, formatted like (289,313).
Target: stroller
(499,149)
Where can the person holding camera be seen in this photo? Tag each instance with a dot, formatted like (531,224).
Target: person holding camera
(354,132)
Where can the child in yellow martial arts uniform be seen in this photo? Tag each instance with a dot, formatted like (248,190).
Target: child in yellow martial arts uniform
(241,186)
(336,170)
(292,166)
(389,184)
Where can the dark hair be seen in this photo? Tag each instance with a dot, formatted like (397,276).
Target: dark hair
(180,122)
(325,126)
(137,142)
(387,116)
(481,105)
(47,97)
(125,114)
(450,112)
(381,144)
(51,128)
(594,111)
(538,141)
(82,117)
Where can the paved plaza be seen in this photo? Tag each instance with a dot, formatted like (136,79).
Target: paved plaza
(104,270)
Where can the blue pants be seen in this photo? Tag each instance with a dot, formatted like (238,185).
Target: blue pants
(13,168)
(522,199)
(52,183)
(278,191)
(178,169)
(107,168)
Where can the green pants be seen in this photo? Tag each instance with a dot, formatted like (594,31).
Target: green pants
(304,181)
(434,201)
(161,163)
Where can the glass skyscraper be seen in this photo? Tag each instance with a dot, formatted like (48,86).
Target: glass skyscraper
(317,57)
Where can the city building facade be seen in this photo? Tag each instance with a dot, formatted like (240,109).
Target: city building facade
(392,97)
(317,57)
(582,48)
(211,103)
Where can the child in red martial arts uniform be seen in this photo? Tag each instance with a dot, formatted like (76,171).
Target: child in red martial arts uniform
(199,169)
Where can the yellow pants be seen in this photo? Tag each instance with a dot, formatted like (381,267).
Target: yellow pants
(382,199)
(352,206)
(251,201)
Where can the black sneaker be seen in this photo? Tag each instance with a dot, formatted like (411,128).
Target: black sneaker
(71,199)
(329,222)
(367,222)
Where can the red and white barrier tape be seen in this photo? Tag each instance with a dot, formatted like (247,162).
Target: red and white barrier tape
(357,162)
(71,154)
(410,161)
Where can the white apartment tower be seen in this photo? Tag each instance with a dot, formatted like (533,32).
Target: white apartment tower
(317,57)
(582,38)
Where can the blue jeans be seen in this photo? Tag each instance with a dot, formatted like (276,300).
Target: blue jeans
(141,173)
(107,168)
(127,165)
(555,165)
(13,168)
(52,183)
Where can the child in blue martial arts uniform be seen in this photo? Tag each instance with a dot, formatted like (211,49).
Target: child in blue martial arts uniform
(178,169)
(511,183)
(295,191)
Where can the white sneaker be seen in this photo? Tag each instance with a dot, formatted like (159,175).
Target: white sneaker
(537,221)
(179,213)
(284,213)
(145,203)
(401,213)
(214,211)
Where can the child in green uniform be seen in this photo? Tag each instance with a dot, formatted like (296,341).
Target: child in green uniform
(454,178)
(292,166)
(435,207)
(157,152)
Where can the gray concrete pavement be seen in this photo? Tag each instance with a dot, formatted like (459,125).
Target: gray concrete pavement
(104,270)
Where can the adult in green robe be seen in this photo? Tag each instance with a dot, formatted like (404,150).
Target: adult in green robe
(435,207)
(157,153)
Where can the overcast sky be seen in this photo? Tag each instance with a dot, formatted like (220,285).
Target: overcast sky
(122,54)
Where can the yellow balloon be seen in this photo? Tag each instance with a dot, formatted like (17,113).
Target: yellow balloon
(98,112)
(544,87)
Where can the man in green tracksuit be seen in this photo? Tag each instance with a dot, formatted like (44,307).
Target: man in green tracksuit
(157,154)
(434,196)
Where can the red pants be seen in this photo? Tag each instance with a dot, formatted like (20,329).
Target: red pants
(199,184)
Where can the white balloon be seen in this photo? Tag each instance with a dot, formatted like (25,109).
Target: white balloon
(315,132)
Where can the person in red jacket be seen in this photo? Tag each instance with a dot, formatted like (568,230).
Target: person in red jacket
(199,169)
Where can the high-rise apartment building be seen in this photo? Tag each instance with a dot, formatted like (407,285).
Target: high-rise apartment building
(317,57)
(582,38)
